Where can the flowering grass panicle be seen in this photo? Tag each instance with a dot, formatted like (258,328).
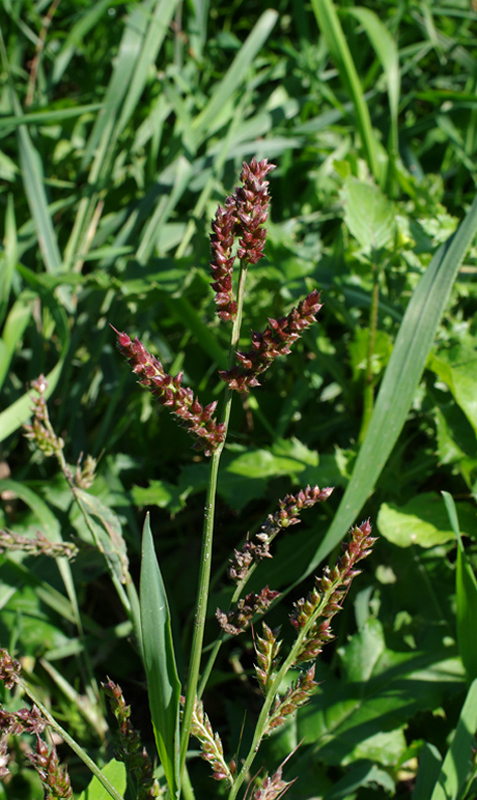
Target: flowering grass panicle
(324,601)
(275,341)
(288,512)
(211,746)
(243,217)
(169,392)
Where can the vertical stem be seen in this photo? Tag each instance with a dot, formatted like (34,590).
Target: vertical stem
(208,537)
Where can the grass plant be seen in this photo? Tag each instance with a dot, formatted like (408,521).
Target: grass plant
(124,127)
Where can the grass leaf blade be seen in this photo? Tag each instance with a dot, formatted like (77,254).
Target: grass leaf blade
(161,670)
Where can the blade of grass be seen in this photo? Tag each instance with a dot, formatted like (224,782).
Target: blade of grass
(330,26)
(15,324)
(466,597)
(160,663)
(430,762)
(18,412)
(459,759)
(403,373)
(387,52)
(235,75)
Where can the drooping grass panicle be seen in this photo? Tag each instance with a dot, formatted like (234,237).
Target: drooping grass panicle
(312,615)
(169,392)
(275,341)
(274,787)
(238,618)
(242,218)
(55,779)
(40,430)
(211,746)
(288,512)
(130,749)
(39,545)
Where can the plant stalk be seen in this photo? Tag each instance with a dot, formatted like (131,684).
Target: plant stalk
(208,537)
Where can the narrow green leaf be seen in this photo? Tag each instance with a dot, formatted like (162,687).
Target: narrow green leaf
(110,539)
(48,117)
(18,412)
(161,671)
(430,762)
(15,324)
(235,75)
(459,759)
(330,26)
(403,373)
(466,596)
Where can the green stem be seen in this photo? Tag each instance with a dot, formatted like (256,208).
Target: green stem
(208,537)
(70,741)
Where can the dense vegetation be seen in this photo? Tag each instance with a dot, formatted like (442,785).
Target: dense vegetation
(123,126)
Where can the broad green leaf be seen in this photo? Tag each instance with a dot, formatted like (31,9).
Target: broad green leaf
(364,713)
(457,368)
(369,215)
(160,663)
(460,760)
(115,772)
(422,521)
(403,373)
(364,773)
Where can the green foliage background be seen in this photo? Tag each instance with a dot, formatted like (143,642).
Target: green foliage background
(122,126)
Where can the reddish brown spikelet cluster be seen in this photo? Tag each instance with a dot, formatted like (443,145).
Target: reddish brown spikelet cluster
(267,648)
(273,788)
(324,601)
(297,695)
(275,341)
(10,669)
(55,780)
(211,746)
(288,514)
(169,392)
(238,619)
(245,212)
(131,752)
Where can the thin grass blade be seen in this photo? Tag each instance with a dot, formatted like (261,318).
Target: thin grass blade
(430,762)
(160,662)
(330,26)
(235,75)
(459,760)
(466,596)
